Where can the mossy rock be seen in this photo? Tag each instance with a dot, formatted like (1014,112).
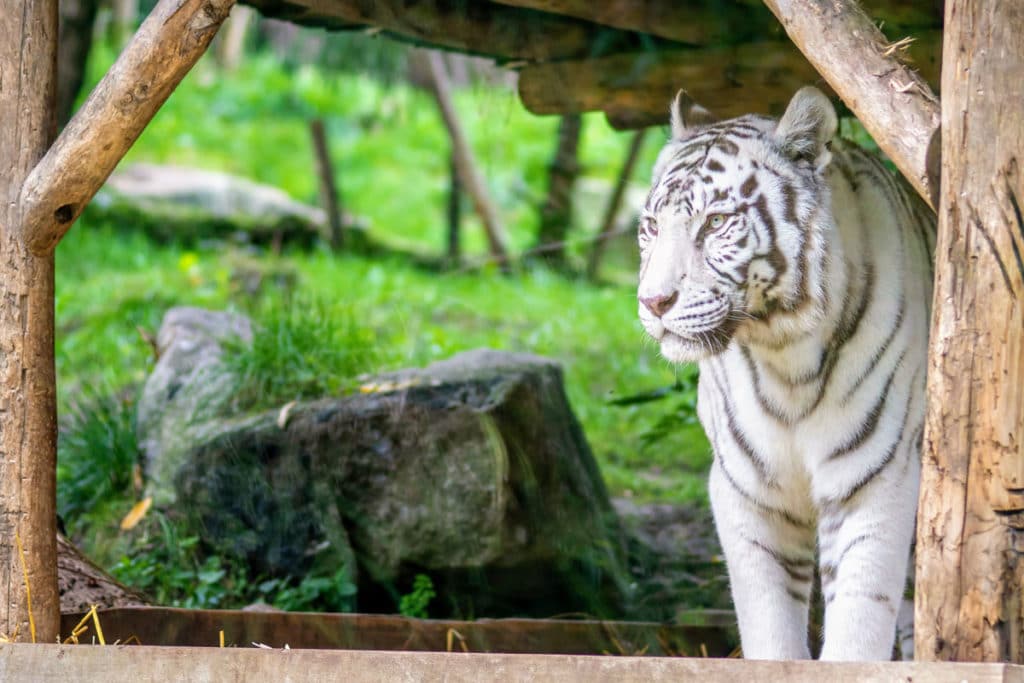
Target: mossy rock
(473,471)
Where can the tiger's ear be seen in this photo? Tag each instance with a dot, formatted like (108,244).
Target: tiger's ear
(687,114)
(807,127)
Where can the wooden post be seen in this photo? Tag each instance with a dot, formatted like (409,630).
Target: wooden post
(636,142)
(28,406)
(173,37)
(328,188)
(970,530)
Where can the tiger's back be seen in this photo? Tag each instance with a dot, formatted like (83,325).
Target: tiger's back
(797,273)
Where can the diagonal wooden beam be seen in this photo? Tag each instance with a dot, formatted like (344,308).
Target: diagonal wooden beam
(895,104)
(166,46)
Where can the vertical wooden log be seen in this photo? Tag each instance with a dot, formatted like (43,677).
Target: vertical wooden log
(971,519)
(28,448)
(454,213)
(608,225)
(328,188)
(556,213)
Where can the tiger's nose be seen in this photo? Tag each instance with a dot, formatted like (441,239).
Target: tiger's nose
(659,305)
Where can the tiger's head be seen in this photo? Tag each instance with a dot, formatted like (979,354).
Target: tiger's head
(732,234)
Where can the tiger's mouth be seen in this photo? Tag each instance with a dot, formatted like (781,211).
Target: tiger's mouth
(692,348)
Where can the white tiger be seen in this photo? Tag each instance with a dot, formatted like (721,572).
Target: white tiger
(796,270)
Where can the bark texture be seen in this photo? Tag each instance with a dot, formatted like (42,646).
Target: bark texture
(971,518)
(483,28)
(708,21)
(165,47)
(83,584)
(28,56)
(892,100)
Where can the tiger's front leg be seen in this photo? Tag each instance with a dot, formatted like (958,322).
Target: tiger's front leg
(771,564)
(864,552)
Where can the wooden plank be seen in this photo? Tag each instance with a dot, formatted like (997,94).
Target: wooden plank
(164,49)
(635,89)
(28,404)
(56,663)
(895,104)
(188,627)
(471,26)
(698,22)
(971,514)
(728,81)
(715,22)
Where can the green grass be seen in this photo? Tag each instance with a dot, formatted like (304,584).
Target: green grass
(345,315)
(301,350)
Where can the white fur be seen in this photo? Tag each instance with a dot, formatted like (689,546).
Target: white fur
(791,503)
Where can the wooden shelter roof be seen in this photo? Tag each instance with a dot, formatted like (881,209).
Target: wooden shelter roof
(624,57)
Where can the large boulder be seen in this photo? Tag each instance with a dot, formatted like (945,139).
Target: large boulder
(473,470)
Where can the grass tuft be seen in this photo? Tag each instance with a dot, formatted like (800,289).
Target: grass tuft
(301,350)
(98,455)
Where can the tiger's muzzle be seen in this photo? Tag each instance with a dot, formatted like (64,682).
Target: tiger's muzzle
(690,326)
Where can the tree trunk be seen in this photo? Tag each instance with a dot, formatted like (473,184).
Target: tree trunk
(77,18)
(971,519)
(556,214)
(465,162)
(612,211)
(28,448)
(328,188)
(454,214)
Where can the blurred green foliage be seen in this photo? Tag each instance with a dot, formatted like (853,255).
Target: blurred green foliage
(346,314)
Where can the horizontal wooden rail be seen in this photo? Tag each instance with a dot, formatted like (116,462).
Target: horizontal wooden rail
(160,664)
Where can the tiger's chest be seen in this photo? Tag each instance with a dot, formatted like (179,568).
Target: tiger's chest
(795,432)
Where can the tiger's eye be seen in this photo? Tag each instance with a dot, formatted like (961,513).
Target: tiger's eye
(716,221)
